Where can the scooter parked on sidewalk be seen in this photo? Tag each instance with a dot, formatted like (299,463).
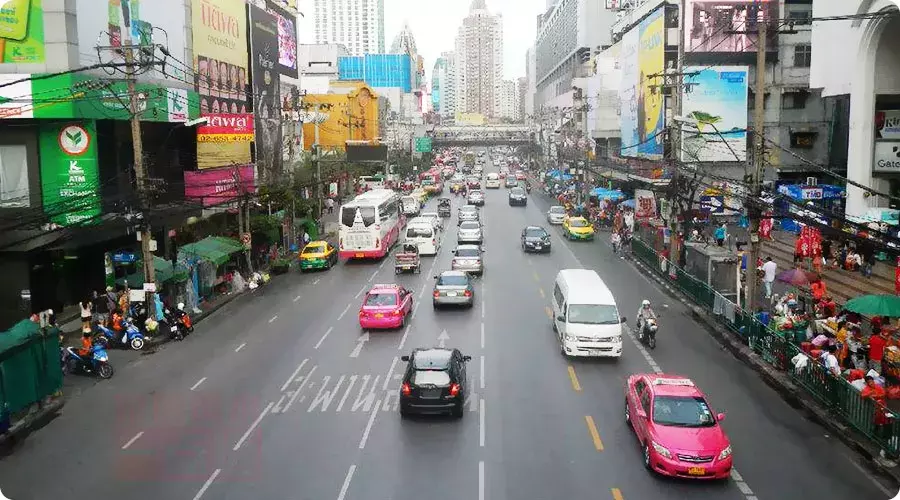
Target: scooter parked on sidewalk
(647,333)
(96,363)
(129,336)
(177,322)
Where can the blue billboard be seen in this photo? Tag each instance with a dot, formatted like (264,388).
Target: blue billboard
(379,70)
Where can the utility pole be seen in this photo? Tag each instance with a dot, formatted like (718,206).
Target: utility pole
(139,173)
(316,121)
(675,138)
(758,159)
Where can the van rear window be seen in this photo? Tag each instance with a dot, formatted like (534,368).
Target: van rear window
(419,232)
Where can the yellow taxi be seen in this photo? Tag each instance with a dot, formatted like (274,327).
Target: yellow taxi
(318,255)
(578,228)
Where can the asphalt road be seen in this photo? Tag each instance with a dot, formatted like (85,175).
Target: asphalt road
(280,396)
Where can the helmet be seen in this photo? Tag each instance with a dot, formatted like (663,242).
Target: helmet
(645,303)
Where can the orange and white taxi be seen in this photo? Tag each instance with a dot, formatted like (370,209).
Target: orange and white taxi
(384,307)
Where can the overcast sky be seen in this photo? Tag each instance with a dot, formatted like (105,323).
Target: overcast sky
(434,26)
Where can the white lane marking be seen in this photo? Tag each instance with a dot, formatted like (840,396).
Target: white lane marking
(293,375)
(297,298)
(238,348)
(273,318)
(132,440)
(277,407)
(387,380)
(482,372)
(360,292)
(344,312)
(482,308)
(422,293)
(431,271)
(868,474)
(742,485)
(317,281)
(403,339)
(360,343)
(346,485)
(299,389)
(481,423)
(382,265)
(365,436)
(195,386)
(481,480)
(207,484)
(373,275)
(323,337)
(416,309)
(482,335)
(640,347)
(255,423)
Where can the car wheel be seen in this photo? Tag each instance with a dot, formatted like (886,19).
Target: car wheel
(647,457)
(457,411)
(404,413)
(435,305)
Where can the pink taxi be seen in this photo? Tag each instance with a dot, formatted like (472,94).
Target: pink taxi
(679,434)
(385,306)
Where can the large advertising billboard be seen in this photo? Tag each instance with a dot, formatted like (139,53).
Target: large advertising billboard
(117,23)
(718,102)
(361,105)
(266,91)
(220,73)
(710,25)
(70,175)
(640,98)
(287,41)
(218,186)
(21,31)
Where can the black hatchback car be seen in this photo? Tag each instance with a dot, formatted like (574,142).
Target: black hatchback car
(434,382)
(518,196)
(535,239)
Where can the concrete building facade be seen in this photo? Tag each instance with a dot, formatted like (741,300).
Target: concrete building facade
(356,24)
(479,62)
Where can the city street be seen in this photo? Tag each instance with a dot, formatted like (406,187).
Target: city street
(281,395)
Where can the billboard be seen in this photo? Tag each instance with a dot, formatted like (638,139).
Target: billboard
(287,41)
(70,174)
(266,91)
(641,105)
(361,104)
(718,102)
(226,128)
(220,72)
(21,31)
(709,25)
(218,186)
(137,22)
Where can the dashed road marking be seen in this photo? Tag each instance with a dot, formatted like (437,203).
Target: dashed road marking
(207,484)
(341,316)
(299,390)
(368,429)
(481,429)
(373,275)
(253,426)
(403,338)
(617,494)
(549,312)
(481,480)
(132,440)
(595,434)
(542,293)
(297,298)
(273,318)
(416,309)
(346,485)
(574,378)
(317,281)
(482,334)
(195,386)
(536,277)
(360,292)
(294,375)
(387,380)
(742,485)
(238,348)
(323,337)
(482,372)
(422,293)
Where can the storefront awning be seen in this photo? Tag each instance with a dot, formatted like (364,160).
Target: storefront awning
(164,272)
(215,249)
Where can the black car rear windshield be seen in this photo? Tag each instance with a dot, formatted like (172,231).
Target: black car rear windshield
(535,233)
(430,377)
(453,280)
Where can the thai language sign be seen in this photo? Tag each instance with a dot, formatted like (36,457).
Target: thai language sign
(224,127)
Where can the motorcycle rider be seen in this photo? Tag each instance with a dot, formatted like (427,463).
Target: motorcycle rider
(87,346)
(644,313)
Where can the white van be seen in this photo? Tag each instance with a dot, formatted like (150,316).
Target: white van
(493,181)
(585,317)
(411,205)
(423,234)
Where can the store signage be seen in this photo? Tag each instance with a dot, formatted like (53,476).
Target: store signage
(812,194)
(124,257)
(70,178)
(218,186)
(887,156)
(887,124)
(226,127)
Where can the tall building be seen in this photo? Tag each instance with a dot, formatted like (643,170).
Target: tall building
(443,84)
(356,24)
(404,42)
(479,62)
(531,84)
(522,90)
(509,100)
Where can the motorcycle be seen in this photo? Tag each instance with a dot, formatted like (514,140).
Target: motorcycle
(178,322)
(130,336)
(97,363)
(647,335)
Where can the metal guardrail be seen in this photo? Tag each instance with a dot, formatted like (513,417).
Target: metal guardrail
(834,393)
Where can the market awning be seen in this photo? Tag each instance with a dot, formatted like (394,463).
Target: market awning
(607,194)
(164,271)
(215,249)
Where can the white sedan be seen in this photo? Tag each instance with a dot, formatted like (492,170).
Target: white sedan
(556,215)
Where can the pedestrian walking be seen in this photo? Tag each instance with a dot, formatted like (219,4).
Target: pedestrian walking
(86,314)
(720,234)
(329,205)
(769,269)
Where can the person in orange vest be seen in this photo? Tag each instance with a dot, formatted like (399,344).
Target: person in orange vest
(818,288)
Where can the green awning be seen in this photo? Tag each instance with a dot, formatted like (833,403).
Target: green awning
(164,271)
(215,249)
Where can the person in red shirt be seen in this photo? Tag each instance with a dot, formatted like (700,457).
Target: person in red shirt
(818,288)
(878,395)
(877,343)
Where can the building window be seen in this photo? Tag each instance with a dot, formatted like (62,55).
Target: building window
(14,187)
(802,55)
(794,100)
(800,17)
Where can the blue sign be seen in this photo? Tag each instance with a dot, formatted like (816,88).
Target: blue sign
(124,257)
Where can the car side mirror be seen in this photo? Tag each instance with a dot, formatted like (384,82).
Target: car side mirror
(561,318)
(453,252)
(720,417)
(624,320)
(404,358)
(467,358)
(436,277)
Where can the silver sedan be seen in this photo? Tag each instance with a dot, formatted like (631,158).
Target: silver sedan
(453,288)
(470,232)
(467,213)
(468,258)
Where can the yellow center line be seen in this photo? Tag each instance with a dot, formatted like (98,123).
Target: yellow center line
(617,494)
(595,436)
(542,293)
(574,379)
(549,312)
(536,277)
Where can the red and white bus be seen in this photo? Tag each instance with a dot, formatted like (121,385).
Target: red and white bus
(370,225)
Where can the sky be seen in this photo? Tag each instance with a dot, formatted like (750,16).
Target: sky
(434,26)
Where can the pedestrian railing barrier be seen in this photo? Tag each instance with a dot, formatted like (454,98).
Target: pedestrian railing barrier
(778,349)
(29,366)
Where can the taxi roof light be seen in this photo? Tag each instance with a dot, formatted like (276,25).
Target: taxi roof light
(393,286)
(674,381)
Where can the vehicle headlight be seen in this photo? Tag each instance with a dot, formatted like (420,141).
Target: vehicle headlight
(570,338)
(725,453)
(661,449)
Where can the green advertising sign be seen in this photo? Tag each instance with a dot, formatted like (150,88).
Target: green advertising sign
(423,144)
(70,177)
(21,31)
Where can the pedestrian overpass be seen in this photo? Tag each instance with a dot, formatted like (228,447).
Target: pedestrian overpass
(480,135)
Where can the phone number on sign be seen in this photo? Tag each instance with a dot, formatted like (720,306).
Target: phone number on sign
(224,137)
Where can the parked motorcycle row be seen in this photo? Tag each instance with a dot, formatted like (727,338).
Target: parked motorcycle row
(176,323)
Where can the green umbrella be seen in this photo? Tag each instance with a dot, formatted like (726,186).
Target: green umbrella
(875,305)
